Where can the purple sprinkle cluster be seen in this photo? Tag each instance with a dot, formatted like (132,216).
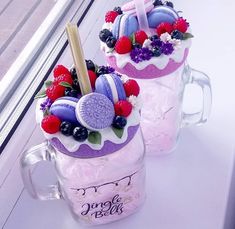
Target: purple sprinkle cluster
(141,54)
(46,104)
(166,48)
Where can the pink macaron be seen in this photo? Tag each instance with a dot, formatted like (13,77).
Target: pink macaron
(129,8)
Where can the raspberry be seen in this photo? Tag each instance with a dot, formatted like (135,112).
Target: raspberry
(123,45)
(110,16)
(51,124)
(55,91)
(131,88)
(63,78)
(181,25)
(123,108)
(92,77)
(164,27)
(140,37)
(59,70)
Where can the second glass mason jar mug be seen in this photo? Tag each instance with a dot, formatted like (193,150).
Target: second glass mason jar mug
(162,116)
(98,190)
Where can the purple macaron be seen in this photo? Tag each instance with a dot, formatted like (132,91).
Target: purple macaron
(161,14)
(64,109)
(111,86)
(124,25)
(95,111)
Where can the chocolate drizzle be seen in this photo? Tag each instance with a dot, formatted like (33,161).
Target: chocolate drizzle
(116,183)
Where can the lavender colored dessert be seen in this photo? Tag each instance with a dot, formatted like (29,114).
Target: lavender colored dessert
(111,86)
(95,111)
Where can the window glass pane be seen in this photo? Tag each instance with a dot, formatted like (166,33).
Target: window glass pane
(19,20)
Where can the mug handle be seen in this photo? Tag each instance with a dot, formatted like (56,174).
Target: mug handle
(202,80)
(36,154)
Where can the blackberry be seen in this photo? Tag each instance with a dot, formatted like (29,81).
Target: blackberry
(170,4)
(80,133)
(154,37)
(66,128)
(119,122)
(157,52)
(157,3)
(111,41)
(90,65)
(73,73)
(104,34)
(118,9)
(136,45)
(176,34)
(76,86)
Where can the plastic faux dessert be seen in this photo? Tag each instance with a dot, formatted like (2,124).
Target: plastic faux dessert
(149,41)
(154,52)
(94,140)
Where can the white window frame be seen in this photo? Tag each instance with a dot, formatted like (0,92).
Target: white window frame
(13,121)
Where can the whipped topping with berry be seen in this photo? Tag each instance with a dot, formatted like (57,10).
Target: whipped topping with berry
(94,124)
(167,40)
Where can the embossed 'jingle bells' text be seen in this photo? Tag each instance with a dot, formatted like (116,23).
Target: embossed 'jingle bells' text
(98,210)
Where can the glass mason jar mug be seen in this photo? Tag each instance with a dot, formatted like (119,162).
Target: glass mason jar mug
(162,115)
(97,190)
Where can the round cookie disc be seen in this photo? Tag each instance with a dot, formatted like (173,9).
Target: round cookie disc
(95,111)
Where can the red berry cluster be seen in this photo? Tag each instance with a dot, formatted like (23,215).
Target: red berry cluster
(124,44)
(123,107)
(180,24)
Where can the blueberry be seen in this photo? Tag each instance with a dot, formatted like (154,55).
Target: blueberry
(76,86)
(156,52)
(102,70)
(136,45)
(176,34)
(80,133)
(170,4)
(119,122)
(66,128)
(90,65)
(73,73)
(118,9)
(154,37)
(157,3)
(111,41)
(71,92)
(104,34)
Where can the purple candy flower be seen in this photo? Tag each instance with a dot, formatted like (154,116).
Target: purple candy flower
(140,54)
(167,48)
(45,105)
(157,43)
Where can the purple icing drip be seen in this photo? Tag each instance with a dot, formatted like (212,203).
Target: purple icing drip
(86,152)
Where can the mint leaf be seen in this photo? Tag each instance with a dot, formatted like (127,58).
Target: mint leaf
(96,67)
(48,83)
(65,84)
(118,132)
(132,38)
(94,137)
(187,36)
(40,94)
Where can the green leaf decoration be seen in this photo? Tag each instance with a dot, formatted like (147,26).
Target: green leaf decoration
(46,112)
(96,67)
(132,38)
(48,83)
(118,132)
(94,137)
(65,84)
(40,94)
(111,50)
(187,36)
